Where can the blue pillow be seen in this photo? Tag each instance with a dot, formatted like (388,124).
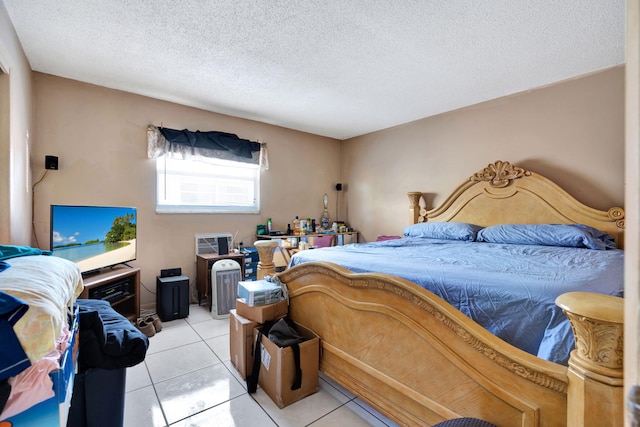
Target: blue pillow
(566,235)
(443,230)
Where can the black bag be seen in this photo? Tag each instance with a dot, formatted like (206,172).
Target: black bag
(283,334)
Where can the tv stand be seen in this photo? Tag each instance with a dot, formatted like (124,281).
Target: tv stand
(120,286)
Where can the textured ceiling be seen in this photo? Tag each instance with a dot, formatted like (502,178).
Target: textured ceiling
(334,68)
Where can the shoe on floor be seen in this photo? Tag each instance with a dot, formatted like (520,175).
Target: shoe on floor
(157,323)
(146,328)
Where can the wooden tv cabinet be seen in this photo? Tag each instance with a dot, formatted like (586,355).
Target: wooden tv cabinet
(104,285)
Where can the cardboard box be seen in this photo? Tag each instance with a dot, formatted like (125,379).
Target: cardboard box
(277,368)
(241,342)
(262,313)
(259,292)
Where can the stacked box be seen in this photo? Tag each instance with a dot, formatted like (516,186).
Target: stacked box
(277,368)
(241,343)
(242,321)
(262,313)
(259,292)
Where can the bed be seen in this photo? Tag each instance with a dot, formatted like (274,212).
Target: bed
(37,296)
(419,360)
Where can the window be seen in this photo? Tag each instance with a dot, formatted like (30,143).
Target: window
(214,186)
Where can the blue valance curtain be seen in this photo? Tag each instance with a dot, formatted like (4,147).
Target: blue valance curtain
(185,144)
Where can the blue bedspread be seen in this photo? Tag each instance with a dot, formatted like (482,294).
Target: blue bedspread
(508,289)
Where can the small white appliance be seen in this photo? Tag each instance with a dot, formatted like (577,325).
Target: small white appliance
(225,275)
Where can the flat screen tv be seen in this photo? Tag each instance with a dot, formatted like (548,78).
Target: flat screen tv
(94,237)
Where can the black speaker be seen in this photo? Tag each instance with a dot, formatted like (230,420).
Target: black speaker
(171,272)
(51,162)
(172,297)
(338,187)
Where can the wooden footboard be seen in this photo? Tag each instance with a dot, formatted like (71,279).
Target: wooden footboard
(420,361)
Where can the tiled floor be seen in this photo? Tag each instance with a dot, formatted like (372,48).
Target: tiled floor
(188,380)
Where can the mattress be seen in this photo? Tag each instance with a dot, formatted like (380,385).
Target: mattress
(509,289)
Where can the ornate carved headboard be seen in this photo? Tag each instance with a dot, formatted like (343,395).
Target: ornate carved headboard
(503,193)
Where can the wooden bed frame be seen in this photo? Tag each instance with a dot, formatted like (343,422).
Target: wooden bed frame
(420,361)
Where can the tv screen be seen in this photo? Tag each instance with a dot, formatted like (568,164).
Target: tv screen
(94,237)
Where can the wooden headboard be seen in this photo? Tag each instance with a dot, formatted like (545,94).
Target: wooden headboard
(503,193)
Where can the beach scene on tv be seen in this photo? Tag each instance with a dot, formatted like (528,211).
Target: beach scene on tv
(94,237)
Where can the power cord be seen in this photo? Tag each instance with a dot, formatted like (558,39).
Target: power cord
(148,290)
(33,204)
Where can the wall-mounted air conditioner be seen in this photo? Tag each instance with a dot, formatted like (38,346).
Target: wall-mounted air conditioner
(214,243)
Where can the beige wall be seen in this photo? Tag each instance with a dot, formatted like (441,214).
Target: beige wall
(16,124)
(571,132)
(99,135)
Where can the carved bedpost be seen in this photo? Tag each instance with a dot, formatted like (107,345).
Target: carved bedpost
(265,248)
(595,391)
(414,206)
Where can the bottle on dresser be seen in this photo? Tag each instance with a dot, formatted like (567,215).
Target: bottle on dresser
(325,221)
(296,226)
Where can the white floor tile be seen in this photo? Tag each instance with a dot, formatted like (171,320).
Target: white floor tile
(179,361)
(350,415)
(374,412)
(305,411)
(187,376)
(137,377)
(198,313)
(221,346)
(239,412)
(174,334)
(189,394)
(174,323)
(235,373)
(142,409)
(211,328)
